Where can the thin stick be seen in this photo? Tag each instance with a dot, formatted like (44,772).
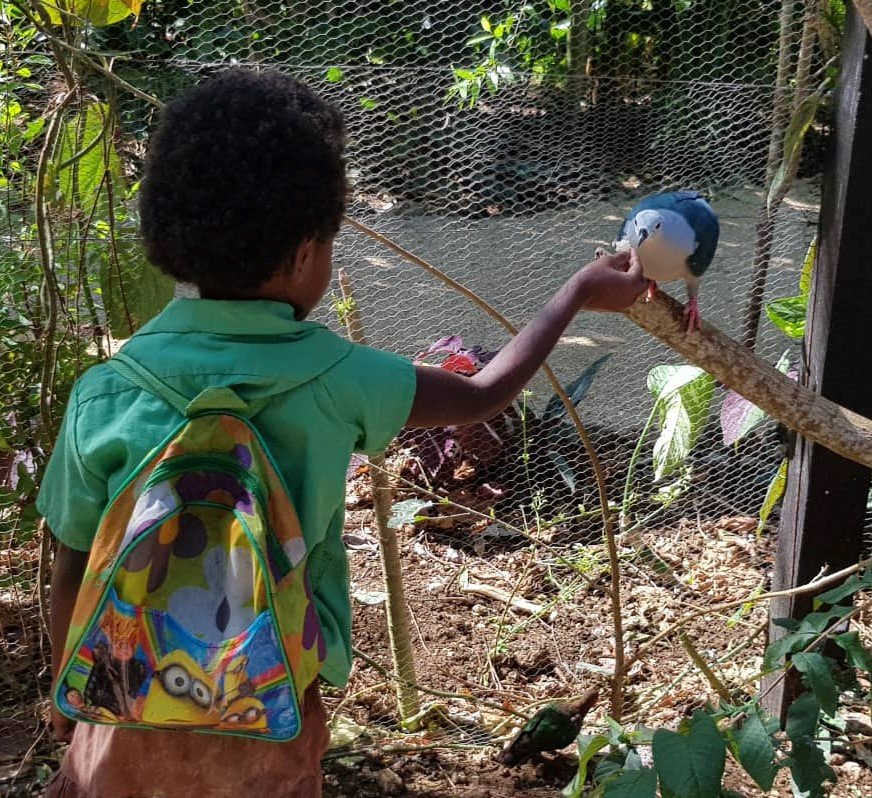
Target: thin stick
(711,677)
(398,618)
(810,587)
(617,700)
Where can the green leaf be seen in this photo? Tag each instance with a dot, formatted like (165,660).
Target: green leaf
(485,23)
(87,152)
(788,315)
(576,390)
(588,745)
(682,397)
(34,128)
(856,653)
(807,764)
(632,784)
(850,586)
(405,512)
(793,139)
(690,764)
(808,267)
(368,104)
(334,75)
(816,670)
(753,747)
(773,495)
(97,12)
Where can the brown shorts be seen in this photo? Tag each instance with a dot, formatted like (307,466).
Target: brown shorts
(107,762)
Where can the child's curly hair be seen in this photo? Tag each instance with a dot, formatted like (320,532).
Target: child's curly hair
(241,170)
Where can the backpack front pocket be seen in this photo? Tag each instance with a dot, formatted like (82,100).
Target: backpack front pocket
(140,666)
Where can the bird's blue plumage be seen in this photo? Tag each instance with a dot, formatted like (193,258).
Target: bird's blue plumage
(696,211)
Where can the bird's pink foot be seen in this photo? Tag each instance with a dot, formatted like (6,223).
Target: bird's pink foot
(652,290)
(691,310)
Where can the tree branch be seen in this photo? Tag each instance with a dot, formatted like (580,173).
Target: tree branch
(814,417)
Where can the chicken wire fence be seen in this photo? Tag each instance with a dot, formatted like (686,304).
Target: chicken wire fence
(501,142)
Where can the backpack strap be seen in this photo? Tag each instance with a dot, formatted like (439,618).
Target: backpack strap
(209,399)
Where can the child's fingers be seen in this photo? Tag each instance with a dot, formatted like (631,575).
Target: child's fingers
(635,265)
(620,261)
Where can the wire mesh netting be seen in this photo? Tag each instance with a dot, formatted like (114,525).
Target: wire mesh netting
(503,143)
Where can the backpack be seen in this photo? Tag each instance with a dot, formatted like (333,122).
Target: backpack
(195,610)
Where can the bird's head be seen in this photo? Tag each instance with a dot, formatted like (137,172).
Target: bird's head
(646,226)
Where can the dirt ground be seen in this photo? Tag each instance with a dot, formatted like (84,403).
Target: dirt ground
(504,660)
(454,633)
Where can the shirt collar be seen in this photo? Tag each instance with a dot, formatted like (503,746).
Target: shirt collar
(250,317)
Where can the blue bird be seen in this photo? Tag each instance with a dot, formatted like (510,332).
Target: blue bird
(675,235)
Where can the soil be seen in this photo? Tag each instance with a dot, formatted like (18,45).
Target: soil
(563,653)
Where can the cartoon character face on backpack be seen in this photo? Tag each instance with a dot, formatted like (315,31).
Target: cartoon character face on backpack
(241,710)
(180,693)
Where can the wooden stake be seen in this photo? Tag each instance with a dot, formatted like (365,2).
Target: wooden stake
(398,617)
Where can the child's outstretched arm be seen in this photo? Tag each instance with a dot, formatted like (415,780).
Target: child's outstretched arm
(613,282)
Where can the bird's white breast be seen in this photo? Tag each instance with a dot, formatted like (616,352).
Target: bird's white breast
(664,254)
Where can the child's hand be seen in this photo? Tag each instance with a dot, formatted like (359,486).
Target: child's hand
(61,725)
(612,282)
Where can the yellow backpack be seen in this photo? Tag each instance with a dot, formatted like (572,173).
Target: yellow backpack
(195,611)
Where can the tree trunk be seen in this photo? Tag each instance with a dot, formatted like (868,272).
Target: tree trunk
(766,216)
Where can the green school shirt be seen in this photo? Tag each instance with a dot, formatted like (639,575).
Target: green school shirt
(328,398)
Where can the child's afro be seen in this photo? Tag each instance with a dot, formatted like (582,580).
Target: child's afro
(240,171)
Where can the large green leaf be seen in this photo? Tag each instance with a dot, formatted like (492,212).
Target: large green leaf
(97,12)
(850,586)
(87,154)
(575,390)
(856,653)
(816,671)
(588,746)
(788,315)
(682,397)
(640,783)
(793,139)
(752,746)
(690,764)
(807,764)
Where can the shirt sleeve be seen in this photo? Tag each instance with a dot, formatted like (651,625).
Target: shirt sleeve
(71,497)
(378,389)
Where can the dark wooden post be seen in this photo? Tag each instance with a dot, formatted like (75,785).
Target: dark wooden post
(825,504)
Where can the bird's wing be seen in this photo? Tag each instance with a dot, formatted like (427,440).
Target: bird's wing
(702,219)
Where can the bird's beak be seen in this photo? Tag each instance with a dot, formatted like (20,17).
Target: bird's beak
(643,234)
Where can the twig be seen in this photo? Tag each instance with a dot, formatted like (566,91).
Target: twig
(711,677)
(430,691)
(599,474)
(498,594)
(50,286)
(810,587)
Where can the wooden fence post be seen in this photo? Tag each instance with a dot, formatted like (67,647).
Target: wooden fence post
(825,503)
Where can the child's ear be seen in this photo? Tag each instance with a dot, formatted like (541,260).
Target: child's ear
(303,258)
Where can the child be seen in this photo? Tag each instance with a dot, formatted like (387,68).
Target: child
(243,194)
